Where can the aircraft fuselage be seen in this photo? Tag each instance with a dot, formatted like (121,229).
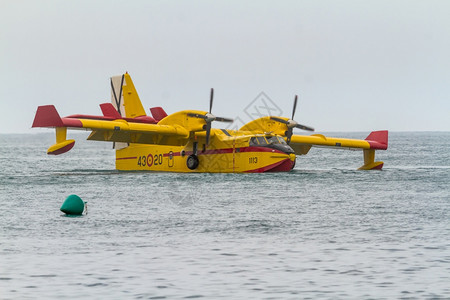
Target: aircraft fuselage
(251,159)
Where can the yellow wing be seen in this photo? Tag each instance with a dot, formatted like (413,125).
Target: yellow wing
(103,129)
(301,144)
(377,140)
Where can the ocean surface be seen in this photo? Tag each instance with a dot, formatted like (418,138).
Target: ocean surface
(321,231)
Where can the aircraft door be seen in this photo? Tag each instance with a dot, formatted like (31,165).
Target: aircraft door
(236,157)
(170,159)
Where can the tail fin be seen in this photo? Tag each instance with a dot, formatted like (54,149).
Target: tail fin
(124,97)
(158,113)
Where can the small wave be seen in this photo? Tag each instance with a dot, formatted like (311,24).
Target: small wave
(84,172)
(96,284)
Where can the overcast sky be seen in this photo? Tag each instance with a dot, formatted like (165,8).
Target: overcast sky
(356,65)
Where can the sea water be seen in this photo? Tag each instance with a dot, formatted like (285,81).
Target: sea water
(321,231)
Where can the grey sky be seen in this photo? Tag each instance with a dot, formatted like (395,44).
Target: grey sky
(356,65)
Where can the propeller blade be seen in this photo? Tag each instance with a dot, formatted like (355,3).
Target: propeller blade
(289,133)
(304,127)
(227,120)
(290,124)
(295,107)
(208,132)
(279,120)
(211,100)
(209,118)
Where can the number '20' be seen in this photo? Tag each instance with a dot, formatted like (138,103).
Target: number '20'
(150,160)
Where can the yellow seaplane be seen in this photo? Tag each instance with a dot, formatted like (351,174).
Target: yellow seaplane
(186,142)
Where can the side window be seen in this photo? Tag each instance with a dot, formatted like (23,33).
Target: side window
(273,140)
(253,141)
(262,140)
(281,140)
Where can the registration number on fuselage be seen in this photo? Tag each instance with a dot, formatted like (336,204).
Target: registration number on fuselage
(150,160)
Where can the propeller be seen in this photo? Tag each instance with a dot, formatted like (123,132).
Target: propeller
(291,124)
(209,118)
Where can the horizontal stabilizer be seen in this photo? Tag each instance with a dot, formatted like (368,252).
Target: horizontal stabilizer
(109,110)
(47,116)
(158,113)
(378,139)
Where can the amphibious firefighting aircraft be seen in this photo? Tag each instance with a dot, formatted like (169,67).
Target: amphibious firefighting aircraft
(186,142)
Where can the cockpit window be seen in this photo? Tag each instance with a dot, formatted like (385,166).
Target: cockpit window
(275,140)
(272,140)
(262,141)
(282,141)
(258,141)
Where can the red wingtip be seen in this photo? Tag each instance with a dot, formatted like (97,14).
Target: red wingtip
(47,116)
(378,139)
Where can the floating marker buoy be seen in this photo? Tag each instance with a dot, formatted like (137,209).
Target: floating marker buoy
(73,205)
